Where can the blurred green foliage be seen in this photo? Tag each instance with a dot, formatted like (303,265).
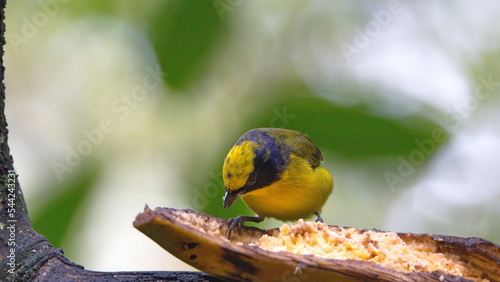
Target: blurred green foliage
(186,36)
(56,218)
(353,132)
(183,34)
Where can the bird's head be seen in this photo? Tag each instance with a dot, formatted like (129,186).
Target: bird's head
(255,161)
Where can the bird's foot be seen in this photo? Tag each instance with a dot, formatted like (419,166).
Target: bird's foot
(319,219)
(240,220)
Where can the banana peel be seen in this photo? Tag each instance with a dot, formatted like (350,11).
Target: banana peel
(201,241)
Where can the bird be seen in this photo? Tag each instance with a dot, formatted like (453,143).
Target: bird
(277,174)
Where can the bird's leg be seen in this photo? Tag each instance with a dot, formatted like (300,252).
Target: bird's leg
(319,219)
(240,220)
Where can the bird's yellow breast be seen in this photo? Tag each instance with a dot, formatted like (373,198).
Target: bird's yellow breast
(299,193)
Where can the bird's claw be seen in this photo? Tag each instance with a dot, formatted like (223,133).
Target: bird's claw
(233,222)
(239,221)
(319,219)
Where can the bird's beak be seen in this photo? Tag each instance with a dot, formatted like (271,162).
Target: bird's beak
(230,197)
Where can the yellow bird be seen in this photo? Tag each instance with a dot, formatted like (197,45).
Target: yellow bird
(277,174)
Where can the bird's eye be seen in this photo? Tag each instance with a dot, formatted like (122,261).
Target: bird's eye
(251,180)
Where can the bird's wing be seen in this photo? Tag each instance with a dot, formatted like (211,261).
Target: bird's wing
(303,147)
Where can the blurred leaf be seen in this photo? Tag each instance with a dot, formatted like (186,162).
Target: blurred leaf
(55,219)
(183,34)
(95,7)
(351,131)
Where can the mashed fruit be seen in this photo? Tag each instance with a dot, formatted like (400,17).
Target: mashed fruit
(385,248)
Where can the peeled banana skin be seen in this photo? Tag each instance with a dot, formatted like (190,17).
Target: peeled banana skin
(201,241)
